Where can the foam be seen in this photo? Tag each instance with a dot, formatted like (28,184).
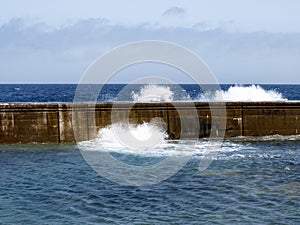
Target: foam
(253,93)
(153,93)
(234,148)
(111,139)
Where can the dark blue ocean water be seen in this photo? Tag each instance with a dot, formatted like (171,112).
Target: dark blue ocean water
(258,183)
(251,180)
(65,92)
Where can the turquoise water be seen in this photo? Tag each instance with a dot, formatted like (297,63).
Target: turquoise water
(251,181)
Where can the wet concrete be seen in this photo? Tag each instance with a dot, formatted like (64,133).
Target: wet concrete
(55,123)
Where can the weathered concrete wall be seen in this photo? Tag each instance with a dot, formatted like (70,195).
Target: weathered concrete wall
(29,123)
(260,119)
(23,123)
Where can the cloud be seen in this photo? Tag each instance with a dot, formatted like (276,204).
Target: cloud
(35,54)
(174,11)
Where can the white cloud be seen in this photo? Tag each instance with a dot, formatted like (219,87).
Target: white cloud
(39,54)
(174,11)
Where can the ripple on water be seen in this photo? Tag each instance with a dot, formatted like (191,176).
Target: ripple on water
(247,183)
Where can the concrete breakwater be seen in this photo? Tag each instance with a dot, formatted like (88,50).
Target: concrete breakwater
(56,123)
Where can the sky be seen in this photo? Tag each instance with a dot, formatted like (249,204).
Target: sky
(249,41)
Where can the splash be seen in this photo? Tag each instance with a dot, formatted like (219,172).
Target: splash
(129,137)
(110,139)
(153,93)
(253,93)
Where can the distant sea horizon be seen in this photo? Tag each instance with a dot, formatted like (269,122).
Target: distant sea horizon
(109,93)
(251,180)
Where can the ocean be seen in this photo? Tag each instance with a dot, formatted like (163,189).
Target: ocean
(251,180)
(109,93)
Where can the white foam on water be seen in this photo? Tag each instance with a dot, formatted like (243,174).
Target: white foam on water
(153,93)
(127,138)
(253,93)
(268,138)
(108,140)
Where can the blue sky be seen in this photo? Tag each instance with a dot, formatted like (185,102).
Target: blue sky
(247,41)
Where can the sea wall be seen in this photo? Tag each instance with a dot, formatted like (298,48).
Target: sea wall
(60,123)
